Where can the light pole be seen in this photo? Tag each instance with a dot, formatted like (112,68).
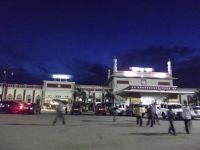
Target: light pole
(4,83)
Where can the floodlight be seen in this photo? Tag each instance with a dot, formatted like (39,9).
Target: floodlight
(61,76)
(135,69)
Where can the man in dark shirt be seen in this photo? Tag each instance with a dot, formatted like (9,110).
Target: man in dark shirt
(171,116)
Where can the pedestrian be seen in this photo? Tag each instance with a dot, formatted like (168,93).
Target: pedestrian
(186,115)
(154,109)
(149,115)
(138,113)
(114,111)
(153,114)
(59,114)
(171,117)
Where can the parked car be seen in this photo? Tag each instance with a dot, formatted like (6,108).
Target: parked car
(76,109)
(129,110)
(11,107)
(31,108)
(176,108)
(119,108)
(195,112)
(100,109)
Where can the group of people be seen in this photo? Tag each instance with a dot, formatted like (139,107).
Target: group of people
(152,117)
(186,115)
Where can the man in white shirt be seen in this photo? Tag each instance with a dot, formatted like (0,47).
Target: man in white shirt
(154,114)
(186,117)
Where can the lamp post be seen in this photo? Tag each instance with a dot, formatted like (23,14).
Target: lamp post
(4,83)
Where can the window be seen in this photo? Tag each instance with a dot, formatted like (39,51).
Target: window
(143,82)
(58,96)
(122,82)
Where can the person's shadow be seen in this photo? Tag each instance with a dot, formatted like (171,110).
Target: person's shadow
(153,134)
(26,124)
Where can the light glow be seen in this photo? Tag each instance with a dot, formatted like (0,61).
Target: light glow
(135,69)
(159,75)
(21,106)
(148,69)
(129,74)
(140,69)
(61,76)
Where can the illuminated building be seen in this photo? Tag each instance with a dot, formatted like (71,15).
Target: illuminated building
(131,86)
(144,85)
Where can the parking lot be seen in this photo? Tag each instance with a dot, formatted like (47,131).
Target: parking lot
(90,132)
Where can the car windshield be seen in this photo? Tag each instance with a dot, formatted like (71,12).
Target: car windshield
(76,106)
(196,108)
(176,106)
(139,105)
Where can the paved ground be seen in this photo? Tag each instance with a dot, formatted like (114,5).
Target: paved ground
(87,132)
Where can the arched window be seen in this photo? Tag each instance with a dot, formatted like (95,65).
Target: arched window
(9,97)
(19,97)
(38,99)
(28,98)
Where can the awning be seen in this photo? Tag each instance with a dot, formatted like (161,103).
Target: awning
(130,90)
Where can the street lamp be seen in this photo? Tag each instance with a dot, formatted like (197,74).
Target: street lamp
(4,83)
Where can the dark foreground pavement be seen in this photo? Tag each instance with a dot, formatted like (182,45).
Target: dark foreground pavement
(87,132)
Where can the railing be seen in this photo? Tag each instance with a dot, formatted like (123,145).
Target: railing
(153,87)
(22,85)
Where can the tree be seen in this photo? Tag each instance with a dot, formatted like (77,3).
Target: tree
(195,99)
(83,95)
(77,93)
(109,95)
(80,94)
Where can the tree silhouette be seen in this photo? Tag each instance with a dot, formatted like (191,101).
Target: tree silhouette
(195,99)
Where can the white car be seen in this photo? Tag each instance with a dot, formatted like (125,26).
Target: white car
(176,108)
(120,109)
(195,112)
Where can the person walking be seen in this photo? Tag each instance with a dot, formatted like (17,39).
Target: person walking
(59,114)
(149,115)
(138,113)
(115,113)
(186,115)
(156,119)
(171,117)
(153,113)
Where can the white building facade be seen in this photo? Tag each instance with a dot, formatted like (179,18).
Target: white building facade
(21,92)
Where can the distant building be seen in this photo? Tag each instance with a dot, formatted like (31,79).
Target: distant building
(124,87)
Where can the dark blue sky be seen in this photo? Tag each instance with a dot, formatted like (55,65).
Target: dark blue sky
(81,37)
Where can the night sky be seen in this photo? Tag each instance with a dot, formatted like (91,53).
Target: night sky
(81,37)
